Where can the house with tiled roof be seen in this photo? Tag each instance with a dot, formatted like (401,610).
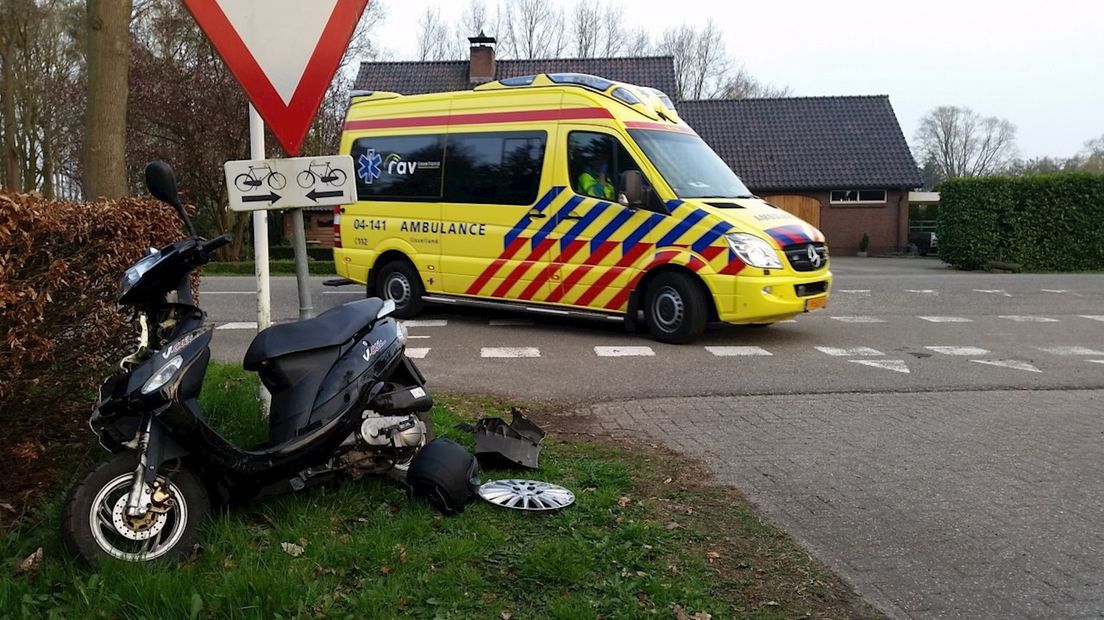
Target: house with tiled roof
(841,163)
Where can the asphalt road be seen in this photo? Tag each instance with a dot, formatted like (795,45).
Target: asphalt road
(902,324)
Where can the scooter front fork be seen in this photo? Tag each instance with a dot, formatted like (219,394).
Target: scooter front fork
(140,498)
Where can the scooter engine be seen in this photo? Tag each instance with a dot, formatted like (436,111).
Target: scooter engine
(386,443)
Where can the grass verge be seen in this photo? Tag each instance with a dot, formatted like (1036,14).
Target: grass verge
(643,540)
(276,268)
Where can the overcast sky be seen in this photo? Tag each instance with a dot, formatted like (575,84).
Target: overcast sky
(1038,64)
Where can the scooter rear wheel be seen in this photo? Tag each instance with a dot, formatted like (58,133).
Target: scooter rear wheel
(95,524)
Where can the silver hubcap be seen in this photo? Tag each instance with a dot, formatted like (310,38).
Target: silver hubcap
(135,540)
(668,309)
(397,289)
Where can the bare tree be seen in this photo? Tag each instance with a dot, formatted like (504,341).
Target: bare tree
(597,29)
(434,42)
(104,161)
(531,29)
(963,143)
(1092,157)
(702,65)
(742,85)
(637,42)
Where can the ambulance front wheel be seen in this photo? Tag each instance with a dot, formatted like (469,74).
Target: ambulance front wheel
(675,308)
(399,281)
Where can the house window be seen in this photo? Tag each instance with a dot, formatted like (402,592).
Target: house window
(858,196)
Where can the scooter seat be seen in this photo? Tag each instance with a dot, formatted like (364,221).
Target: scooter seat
(329,329)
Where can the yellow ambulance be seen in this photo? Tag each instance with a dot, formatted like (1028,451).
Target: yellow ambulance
(565,194)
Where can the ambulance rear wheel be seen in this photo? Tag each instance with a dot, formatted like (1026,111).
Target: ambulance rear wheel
(675,308)
(399,281)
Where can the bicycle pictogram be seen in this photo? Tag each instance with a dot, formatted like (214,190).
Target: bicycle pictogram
(257,175)
(321,171)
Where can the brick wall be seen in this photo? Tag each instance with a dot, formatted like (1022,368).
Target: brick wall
(886,224)
(318,226)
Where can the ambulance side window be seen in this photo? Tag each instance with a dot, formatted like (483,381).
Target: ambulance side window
(595,163)
(494,167)
(398,167)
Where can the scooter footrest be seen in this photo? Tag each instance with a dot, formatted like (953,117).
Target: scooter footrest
(406,399)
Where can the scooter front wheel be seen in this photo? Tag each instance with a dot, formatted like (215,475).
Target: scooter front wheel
(95,524)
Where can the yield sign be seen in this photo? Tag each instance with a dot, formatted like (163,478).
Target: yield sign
(283,53)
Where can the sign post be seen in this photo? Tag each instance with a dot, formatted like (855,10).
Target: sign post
(260,246)
(284,54)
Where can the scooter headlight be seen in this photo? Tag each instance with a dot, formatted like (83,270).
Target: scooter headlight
(754,251)
(401,333)
(163,375)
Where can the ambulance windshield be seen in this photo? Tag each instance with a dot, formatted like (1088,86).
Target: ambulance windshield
(689,166)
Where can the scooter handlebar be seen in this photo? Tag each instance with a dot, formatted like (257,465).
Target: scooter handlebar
(216,243)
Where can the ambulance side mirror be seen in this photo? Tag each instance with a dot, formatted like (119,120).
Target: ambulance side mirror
(632,189)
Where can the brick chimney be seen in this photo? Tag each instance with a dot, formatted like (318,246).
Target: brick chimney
(481,66)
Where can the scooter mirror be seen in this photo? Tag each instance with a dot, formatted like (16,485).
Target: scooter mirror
(161,182)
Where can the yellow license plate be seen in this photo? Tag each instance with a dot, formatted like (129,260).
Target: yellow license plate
(815,303)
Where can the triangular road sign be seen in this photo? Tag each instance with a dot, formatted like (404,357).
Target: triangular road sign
(283,53)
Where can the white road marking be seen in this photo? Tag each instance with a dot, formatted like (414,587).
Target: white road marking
(510,322)
(203,292)
(1094,317)
(1055,290)
(1013,364)
(946,319)
(361,293)
(1027,318)
(426,323)
(854,291)
(505,352)
(952,350)
(417,353)
(409,337)
(1071,350)
(1096,361)
(853,352)
(894,365)
(624,352)
(857,319)
(242,325)
(992,291)
(737,351)
(922,291)
(789,321)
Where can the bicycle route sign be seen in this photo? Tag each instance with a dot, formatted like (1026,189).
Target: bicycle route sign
(255,184)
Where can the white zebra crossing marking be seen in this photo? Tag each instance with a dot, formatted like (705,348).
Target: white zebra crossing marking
(509,352)
(922,291)
(1022,318)
(1013,364)
(852,352)
(855,291)
(1071,350)
(737,351)
(992,291)
(1093,317)
(240,325)
(1055,290)
(426,323)
(624,352)
(894,365)
(946,319)
(952,350)
(857,319)
(417,353)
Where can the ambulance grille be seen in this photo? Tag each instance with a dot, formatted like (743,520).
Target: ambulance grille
(798,255)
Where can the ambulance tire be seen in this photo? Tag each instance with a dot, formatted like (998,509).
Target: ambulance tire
(399,281)
(675,308)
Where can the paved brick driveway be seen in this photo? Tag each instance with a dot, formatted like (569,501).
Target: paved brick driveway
(932,504)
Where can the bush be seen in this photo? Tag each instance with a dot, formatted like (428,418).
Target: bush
(1040,222)
(60,264)
(275,268)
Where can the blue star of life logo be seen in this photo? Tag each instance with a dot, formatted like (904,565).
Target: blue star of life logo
(368,166)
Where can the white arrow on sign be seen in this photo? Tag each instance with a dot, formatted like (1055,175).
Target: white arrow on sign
(254,184)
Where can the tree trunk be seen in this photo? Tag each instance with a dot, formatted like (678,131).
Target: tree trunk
(7,125)
(104,157)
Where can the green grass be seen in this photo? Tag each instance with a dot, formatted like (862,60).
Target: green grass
(276,267)
(634,544)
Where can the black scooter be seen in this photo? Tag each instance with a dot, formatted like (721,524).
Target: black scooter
(345,399)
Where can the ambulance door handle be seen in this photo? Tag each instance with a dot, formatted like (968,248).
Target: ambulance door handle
(538,215)
(572,216)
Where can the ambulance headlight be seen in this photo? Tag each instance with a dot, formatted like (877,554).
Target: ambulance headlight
(754,251)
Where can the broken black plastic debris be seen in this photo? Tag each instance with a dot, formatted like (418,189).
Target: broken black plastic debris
(516,443)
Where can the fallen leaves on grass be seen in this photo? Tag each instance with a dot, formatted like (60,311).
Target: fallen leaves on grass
(623,501)
(29,565)
(680,614)
(292,549)
(712,555)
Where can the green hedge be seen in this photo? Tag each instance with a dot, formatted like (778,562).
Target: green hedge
(275,267)
(1041,222)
